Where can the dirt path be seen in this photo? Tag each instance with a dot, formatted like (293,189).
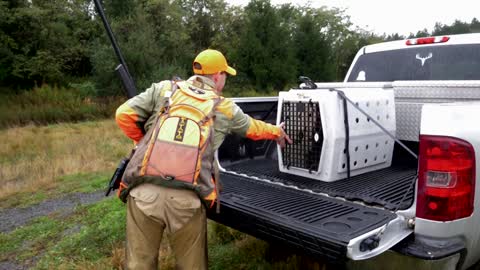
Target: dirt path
(13,218)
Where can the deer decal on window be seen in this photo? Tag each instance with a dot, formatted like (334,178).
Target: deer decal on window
(423,59)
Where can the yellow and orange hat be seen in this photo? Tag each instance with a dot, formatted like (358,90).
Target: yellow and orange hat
(210,62)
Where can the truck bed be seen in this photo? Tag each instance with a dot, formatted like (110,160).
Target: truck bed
(309,215)
(386,187)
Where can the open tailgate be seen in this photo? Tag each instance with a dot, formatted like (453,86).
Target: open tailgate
(316,224)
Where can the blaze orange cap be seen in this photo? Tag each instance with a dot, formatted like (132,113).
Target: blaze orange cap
(210,62)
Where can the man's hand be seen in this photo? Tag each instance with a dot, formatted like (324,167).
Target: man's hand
(283,136)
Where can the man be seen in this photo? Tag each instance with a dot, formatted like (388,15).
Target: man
(151,209)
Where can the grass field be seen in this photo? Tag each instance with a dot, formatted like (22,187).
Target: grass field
(34,157)
(45,163)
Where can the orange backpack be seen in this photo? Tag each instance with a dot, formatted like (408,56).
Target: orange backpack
(177,150)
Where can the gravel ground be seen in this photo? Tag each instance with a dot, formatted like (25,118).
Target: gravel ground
(11,266)
(13,218)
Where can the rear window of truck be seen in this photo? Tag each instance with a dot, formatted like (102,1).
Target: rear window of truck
(448,62)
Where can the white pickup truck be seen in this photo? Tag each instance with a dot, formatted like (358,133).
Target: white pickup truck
(417,213)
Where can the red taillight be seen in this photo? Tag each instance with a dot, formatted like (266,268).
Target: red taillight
(446,178)
(427,40)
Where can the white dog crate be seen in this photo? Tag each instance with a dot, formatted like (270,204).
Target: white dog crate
(314,119)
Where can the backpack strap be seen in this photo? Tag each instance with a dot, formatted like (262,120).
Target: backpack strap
(168,99)
(211,114)
(214,172)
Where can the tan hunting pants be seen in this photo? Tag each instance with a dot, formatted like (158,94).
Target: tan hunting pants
(152,209)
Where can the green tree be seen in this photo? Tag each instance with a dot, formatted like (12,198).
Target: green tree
(457,27)
(203,19)
(46,41)
(345,42)
(227,37)
(119,9)
(395,36)
(21,27)
(420,33)
(154,42)
(265,51)
(8,43)
(314,48)
(475,26)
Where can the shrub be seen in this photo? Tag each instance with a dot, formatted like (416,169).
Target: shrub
(47,104)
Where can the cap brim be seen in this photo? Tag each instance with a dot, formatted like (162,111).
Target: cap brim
(231,71)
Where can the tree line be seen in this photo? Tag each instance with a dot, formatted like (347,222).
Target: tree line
(63,42)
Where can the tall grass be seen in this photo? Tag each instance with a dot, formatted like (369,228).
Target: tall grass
(47,104)
(37,156)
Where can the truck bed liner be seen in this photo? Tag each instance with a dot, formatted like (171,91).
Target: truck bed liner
(316,224)
(386,187)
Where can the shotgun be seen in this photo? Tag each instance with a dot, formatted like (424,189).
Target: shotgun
(128,85)
(121,69)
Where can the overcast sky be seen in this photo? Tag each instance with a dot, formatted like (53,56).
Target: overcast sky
(396,16)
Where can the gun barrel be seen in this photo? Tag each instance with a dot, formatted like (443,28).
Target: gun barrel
(127,80)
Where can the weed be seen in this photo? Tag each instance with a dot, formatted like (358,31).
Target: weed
(33,158)
(221,234)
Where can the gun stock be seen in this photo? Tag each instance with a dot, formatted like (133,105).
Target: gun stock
(117,176)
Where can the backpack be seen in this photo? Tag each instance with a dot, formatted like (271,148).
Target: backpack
(177,151)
